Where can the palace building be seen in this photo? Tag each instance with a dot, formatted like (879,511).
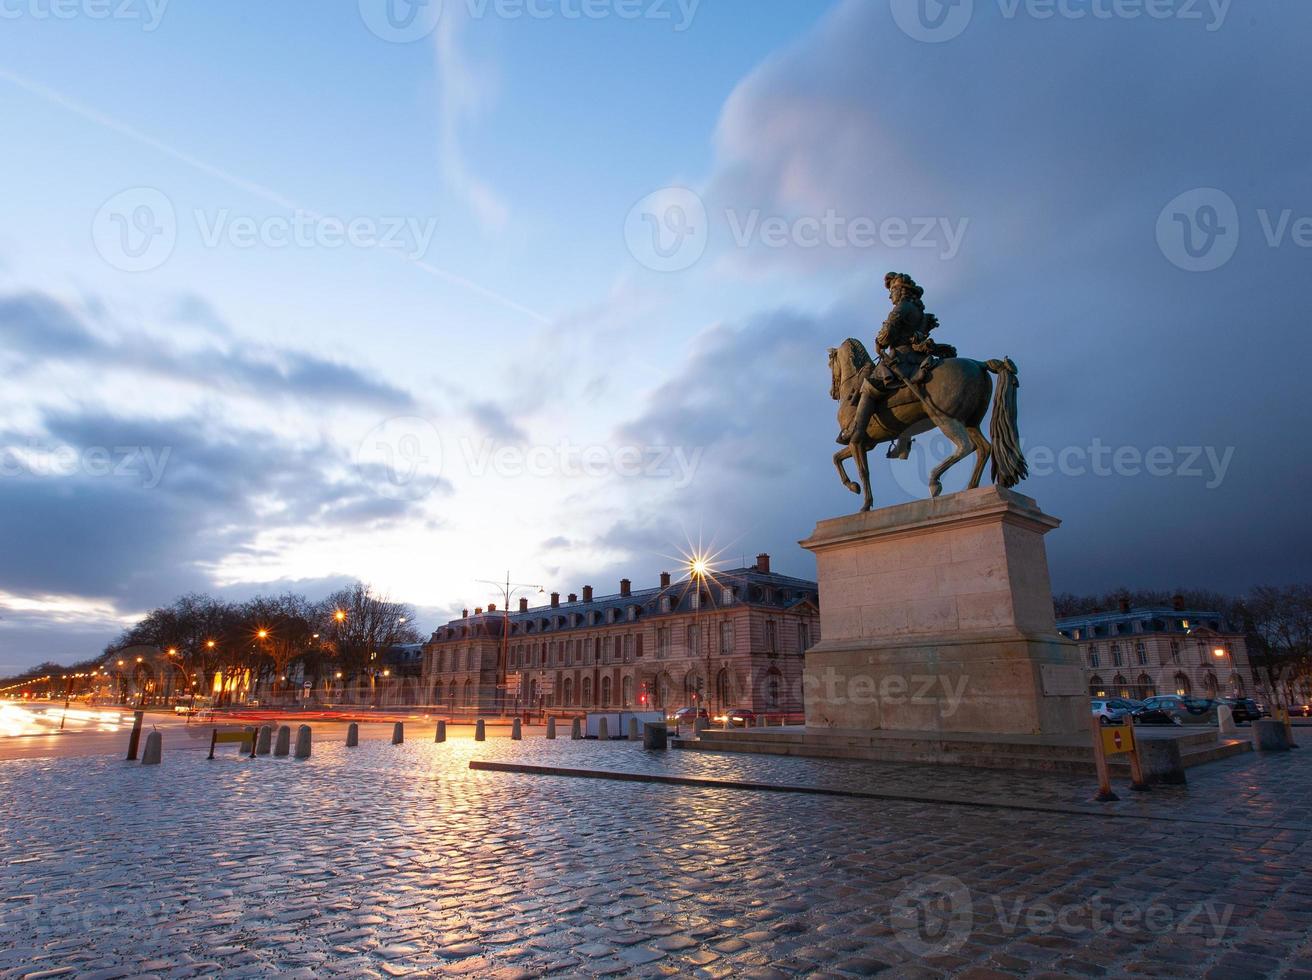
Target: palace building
(733,639)
(1141,652)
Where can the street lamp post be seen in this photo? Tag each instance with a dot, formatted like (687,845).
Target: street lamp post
(698,569)
(508,589)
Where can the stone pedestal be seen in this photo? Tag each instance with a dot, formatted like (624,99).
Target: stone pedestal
(936,616)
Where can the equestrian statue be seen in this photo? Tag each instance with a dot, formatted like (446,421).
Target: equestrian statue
(915,385)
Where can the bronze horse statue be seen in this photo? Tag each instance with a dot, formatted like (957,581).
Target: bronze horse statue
(955,399)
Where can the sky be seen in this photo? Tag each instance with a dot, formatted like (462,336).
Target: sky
(296,294)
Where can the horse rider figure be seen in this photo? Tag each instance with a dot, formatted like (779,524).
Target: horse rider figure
(906,356)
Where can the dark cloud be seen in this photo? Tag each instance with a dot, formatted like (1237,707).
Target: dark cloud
(38,328)
(1061,142)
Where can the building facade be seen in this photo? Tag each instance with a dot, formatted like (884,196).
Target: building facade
(734,641)
(1141,652)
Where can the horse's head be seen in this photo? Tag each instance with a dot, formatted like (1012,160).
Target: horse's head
(844,361)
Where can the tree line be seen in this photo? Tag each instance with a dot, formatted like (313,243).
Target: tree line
(344,634)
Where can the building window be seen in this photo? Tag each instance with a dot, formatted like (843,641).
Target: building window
(726,596)
(605,691)
(1146,687)
(692,640)
(1141,654)
(666,603)
(771,637)
(626,689)
(1093,655)
(1117,659)
(726,637)
(773,685)
(638,647)
(1096,687)
(663,642)
(1175,652)
(628,648)
(1182,687)
(803,638)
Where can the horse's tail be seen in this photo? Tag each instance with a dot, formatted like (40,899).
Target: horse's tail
(1009,466)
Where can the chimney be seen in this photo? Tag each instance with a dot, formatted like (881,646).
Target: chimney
(573,597)
(478,610)
(1177,603)
(1124,605)
(555,600)
(665,580)
(464,614)
(523,603)
(763,563)
(491,607)
(626,587)
(587,593)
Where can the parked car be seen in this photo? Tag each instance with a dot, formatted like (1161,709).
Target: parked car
(738,718)
(1180,708)
(1112,710)
(1243,709)
(1300,709)
(1149,715)
(688,716)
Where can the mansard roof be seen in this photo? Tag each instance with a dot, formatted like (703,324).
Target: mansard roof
(750,586)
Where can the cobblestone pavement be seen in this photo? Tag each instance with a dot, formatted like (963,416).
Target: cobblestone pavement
(386,860)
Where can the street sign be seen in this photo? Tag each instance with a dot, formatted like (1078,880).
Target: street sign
(513,683)
(1117,739)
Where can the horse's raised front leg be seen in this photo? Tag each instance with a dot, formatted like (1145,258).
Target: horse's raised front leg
(842,454)
(956,431)
(863,468)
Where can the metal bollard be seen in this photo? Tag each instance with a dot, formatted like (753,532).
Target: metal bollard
(154,749)
(303,742)
(352,735)
(516,730)
(263,740)
(603,729)
(398,733)
(633,729)
(480,731)
(441,732)
(576,729)
(551,727)
(284,742)
(248,746)
(135,738)
(699,727)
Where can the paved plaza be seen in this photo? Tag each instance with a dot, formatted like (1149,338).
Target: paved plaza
(392,860)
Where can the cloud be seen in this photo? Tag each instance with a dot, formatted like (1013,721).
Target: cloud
(493,420)
(464,92)
(39,329)
(1062,165)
